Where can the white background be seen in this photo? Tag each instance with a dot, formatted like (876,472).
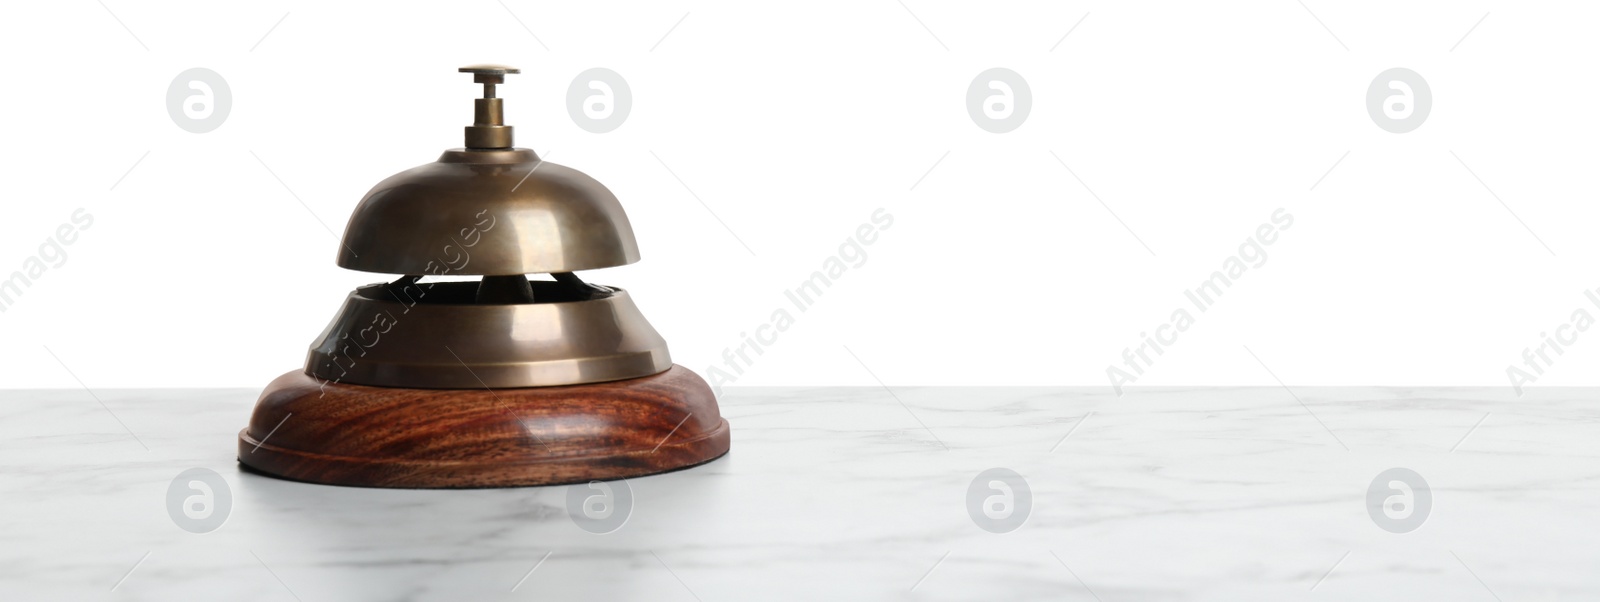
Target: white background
(792,122)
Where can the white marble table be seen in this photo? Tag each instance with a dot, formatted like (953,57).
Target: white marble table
(843,494)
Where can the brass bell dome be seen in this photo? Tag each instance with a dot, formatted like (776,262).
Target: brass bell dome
(499,212)
(416,221)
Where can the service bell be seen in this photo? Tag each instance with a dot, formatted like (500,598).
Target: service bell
(501,381)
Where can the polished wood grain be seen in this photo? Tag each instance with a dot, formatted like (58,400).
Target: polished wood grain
(308,430)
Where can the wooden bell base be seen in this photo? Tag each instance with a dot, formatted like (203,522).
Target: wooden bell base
(341,434)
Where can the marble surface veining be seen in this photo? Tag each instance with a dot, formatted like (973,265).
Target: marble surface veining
(852,494)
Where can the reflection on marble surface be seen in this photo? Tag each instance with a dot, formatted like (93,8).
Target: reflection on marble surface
(843,494)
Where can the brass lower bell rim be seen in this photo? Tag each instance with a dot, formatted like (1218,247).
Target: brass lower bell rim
(433,336)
